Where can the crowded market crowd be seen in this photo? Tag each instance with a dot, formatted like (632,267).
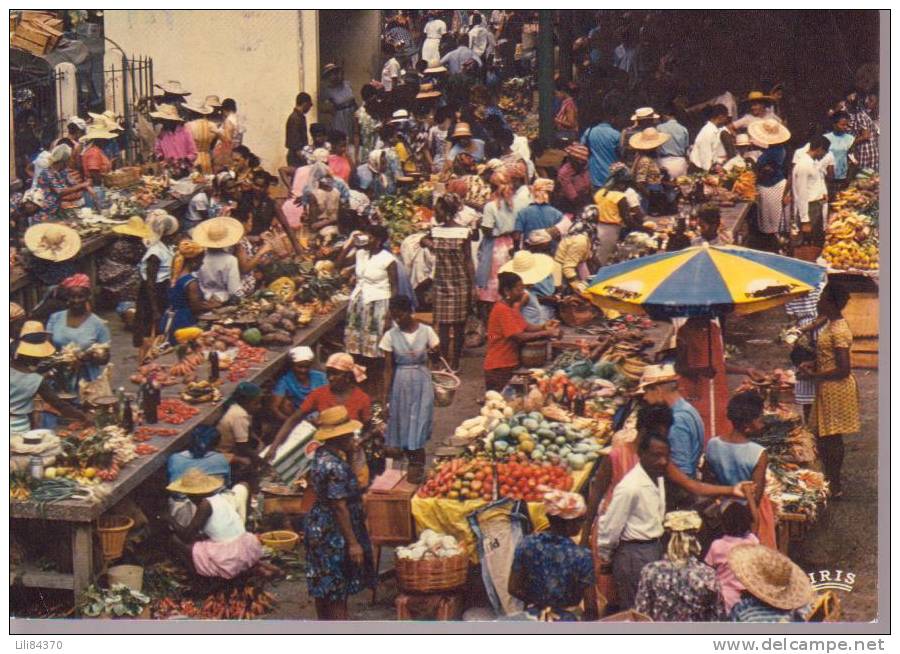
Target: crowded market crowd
(515,230)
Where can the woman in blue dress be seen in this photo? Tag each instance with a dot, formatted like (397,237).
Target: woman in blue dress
(77,325)
(185,297)
(407,347)
(339,560)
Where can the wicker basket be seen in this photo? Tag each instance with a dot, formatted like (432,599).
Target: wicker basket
(113,530)
(432,575)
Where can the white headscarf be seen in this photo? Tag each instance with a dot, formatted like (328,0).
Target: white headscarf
(160,224)
(302,354)
(61,152)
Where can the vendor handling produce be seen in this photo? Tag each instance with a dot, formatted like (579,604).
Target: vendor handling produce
(185,296)
(79,326)
(295,385)
(24,383)
(156,271)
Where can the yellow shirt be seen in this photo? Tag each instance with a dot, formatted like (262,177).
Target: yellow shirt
(608,204)
(409,166)
(571,253)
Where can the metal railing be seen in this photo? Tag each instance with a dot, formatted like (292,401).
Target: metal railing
(126,87)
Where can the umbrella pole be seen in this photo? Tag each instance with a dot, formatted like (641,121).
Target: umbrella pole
(712,380)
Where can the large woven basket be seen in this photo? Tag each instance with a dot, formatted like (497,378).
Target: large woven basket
(432,575)
(113,531)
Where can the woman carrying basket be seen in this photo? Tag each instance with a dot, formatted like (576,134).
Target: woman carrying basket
(407,346)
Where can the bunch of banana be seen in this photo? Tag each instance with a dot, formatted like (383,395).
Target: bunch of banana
(632,367)
(201,391)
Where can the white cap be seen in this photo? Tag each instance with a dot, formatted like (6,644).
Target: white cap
(302,354)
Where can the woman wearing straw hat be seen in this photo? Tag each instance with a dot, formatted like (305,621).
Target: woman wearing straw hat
(215,543)
(219,276)
(680,587)
(32,346)
(759,107)
(174,144)
(50,247)
(204,132)
(462,141)
(155,270)
(550,573)
(339,555)
(646,171)
(53,183)
(538,273)
(94,161)
(338,94)
(776,588)
(771,180)
(185,299)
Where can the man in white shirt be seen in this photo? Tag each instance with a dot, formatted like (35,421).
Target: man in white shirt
(629,535)
(708,149)
(390,74)
(479,37)
(810,191)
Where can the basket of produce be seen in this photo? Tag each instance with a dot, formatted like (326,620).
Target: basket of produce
(445,384)
(123,177)
(113,530)
(280,540)
(434,563)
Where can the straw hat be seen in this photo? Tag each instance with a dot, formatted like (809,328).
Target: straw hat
(461,130)
(330,68)
(166,112)
(98,131)
(768,132)
(334,422)
(771,576)
(203,110)
(213,101)
(427,91)
(196,482)
(52,241)
(434,67)
(648,139)
(683,521)
(34,341)
(134,227)
(656,374)
(172,87)
(15,311)
(219,232)
(742,140)
(107,120)
(758,96)
(644,113)
(530,266)
(399,116)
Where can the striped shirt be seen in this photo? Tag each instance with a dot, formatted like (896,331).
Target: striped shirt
(750,609)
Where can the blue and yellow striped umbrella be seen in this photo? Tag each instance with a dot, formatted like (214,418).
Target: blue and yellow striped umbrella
(702,281)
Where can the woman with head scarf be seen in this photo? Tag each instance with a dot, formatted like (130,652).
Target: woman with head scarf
(497,226)
(344,377)
(79,326)
(550,574)
(295,385)
(538,223)
(235,426)
(155,271)
(53,183)
(375,177)
(185,298)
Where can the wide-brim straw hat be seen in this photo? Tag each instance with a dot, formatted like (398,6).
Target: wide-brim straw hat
(759,96)
(427,91)
(399,116)
(213,101)
(742,140)
(166,112)
(648,139)
(98,131)
(219,232)
(768,132)
(531,267)
(203,110)
(34,341)
(462,130)
(172,87)
(52,241)
(771,576)
(134,227)
(434,68)
(644,113)
(656,374)
(334,422)
(196,482)
(107,120)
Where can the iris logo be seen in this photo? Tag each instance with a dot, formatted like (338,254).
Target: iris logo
(832,580)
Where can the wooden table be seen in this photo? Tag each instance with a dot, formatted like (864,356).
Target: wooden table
(734,219)
(78,516)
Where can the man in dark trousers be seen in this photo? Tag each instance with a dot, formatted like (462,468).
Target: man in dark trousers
(296,134)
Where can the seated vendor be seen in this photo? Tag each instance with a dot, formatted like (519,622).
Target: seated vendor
(295,385)
(537,274)
(220,274)
(215,542)
(237,442)
(25,383)
(507,329)
(550,573)
(78,325)
(342,390)
(185,296)
(201,455)
(576,250)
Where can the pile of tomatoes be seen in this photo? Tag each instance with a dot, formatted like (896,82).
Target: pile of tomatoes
(517,478)
(246,356)
(175,412)
(146,432)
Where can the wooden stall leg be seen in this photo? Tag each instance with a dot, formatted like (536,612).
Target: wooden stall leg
(82,557)
(377,568)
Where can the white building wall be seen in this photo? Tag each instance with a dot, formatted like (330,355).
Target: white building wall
(256,57)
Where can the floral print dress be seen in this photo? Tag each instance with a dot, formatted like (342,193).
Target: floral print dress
(555,573)
(51,182)
(688,592)
(330,575)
